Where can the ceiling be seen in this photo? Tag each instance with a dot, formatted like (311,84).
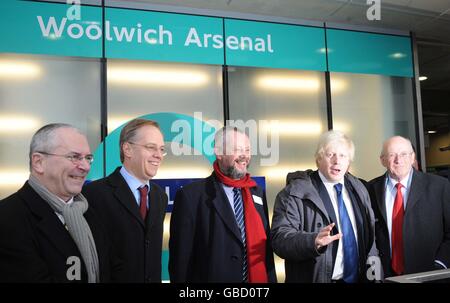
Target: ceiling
(428,19)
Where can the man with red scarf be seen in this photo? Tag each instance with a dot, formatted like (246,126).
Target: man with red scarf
(219,225)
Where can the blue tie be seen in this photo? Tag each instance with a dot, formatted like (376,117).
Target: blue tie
(239,213)
(348,239)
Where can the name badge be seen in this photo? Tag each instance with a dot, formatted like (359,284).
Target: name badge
(257,199)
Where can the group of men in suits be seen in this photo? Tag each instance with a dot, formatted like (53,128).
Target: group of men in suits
(113,227)
(43,226)
(325,224)
(329,228)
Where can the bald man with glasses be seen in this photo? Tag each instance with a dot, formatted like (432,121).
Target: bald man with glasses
(131,206)
(48,231)
(412,212)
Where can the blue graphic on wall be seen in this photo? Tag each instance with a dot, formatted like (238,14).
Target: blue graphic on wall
(174,126)
(170,186)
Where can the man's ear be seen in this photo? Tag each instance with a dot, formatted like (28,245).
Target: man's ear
(126,149)
(382,161)
(37,163)
(218,152)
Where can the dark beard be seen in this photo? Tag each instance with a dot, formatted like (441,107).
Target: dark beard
(232,172)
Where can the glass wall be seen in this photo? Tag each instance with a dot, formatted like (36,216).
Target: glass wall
(370,109)
(138,88)
(289,108)
(34,91)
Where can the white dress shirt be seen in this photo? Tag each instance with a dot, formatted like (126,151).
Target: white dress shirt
(134,184)
(338,270)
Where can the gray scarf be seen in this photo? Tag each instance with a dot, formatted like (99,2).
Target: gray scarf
(76,225)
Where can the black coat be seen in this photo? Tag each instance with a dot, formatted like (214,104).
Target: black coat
(205,242)
(138,244)
(426,223)
(35,245)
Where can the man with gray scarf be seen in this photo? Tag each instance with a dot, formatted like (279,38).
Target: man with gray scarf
(48,232)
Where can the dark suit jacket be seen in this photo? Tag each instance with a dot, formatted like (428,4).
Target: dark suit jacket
(205,242)
(35,245)
(426,223)
(138,244)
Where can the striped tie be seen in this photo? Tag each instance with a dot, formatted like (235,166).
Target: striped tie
(239,213)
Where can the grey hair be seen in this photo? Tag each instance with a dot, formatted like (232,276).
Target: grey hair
(383,148)
(220,138)
(334,136)
(44,138)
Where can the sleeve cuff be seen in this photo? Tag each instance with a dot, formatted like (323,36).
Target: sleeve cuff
(440,263)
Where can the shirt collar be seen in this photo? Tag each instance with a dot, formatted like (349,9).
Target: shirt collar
(68,202)
(327,182)
(131,180)
(406,181)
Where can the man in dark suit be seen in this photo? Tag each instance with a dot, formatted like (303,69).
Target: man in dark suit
(412,212)
(132,207)
(219,225)
(48,231)
(323,225)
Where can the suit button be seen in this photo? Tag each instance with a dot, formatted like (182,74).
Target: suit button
(148,279)
(319,225)
(147,243)
(234,258)
(380,254)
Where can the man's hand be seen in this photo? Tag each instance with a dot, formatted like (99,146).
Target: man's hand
(324,238)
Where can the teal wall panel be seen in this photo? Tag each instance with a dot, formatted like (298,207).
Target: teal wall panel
(43,28)
(141,35)
(368,53)
(275,45)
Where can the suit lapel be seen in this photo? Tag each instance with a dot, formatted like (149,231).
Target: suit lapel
(360,224)
(416,189)
(323,193)
(154,209)
(49,224)
(325,198)
(356,205)
(124,195)
(260,208)
(219,201)
(380,196)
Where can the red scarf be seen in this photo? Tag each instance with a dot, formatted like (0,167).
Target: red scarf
(254,228)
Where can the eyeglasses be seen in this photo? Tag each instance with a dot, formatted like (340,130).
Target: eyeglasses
(74,158)
(330,155)
(153,148)
(402,156)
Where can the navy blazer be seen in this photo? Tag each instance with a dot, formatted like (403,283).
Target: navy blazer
(426,225)
(35,245)
(138,244)
(205,242)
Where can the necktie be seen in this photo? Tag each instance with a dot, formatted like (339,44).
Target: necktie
(143,201)
(348,240)
(239,213)
(397,232)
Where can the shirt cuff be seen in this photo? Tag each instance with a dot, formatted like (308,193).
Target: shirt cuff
(441,264)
